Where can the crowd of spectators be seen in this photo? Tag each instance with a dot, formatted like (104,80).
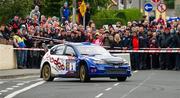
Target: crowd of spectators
(29,32)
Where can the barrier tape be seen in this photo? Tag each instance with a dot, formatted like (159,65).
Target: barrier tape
(31,49)
(147,50)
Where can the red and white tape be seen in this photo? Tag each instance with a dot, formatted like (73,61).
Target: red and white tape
(31,49)
(147,51)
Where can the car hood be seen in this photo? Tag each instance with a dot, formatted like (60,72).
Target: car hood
(108,58)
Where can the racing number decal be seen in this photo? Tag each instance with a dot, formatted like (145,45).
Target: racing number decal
(70,64)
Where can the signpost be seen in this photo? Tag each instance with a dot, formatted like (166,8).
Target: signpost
(148,7)
(161,7)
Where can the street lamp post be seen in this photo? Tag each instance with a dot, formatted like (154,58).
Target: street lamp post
(74,12)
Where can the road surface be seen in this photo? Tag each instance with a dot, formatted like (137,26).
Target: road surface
(143,84)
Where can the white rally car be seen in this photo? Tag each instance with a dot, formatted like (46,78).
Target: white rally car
(84,61)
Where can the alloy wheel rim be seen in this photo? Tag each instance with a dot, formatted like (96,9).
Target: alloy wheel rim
(82,74)
(46,72)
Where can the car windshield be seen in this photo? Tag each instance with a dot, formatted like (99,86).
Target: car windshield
(92,50)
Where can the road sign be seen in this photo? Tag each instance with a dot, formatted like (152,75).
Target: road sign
(83,8)
(161,7)
(148,7)
(155,1)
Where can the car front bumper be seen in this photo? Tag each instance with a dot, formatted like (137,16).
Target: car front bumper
(110,71)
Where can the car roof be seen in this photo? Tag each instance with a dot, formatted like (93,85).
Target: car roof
(79,44)
(76,44)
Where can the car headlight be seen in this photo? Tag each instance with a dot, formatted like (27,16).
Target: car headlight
(99,61)
(125,62)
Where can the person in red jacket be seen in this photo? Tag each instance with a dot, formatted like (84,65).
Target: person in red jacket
(161,20)
(135,56)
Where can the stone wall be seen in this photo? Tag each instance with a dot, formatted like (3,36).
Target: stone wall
(7,57)
(177,7)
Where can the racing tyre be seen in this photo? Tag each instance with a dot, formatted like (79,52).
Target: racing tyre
(121,78)
(46,73)
(83,74)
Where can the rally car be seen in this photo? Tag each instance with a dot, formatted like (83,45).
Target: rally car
(82,60)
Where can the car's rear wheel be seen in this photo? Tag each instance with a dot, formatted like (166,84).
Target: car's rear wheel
(46,73)
(121,78)
(83,74)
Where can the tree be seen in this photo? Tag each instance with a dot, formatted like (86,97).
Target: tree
(10,8)
(52,7)
(170,3)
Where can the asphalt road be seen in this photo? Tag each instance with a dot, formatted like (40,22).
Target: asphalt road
(143,84)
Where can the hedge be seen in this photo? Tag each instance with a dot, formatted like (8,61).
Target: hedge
(112,16)
(104,21)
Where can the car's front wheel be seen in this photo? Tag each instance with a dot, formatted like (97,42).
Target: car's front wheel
(121,78)
(83,74)
(46,73)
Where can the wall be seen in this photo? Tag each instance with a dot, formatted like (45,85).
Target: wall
(7,57)
(177,7)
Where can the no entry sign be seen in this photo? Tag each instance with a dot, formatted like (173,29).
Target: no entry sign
(161,7)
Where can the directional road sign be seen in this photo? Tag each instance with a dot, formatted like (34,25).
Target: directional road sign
(148,7)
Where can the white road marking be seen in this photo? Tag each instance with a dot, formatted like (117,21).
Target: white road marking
(9,88)
(24,89)
(15,86)
(39,79)
(99,95)
(27,82)
(3,91)
(108,89)
(19,84)
(116,84)
(1,82)
(135,71)
(26,77)
(0,93)
(139,85)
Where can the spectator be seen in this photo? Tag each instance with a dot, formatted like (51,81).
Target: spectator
(19,43)
(126,41)
(15,23)
(135,56)
(34,55)
(177,45)
(51,44)
(98,39)
(165,41)
(161,20)
(64,13)
(35,13)
(117,40)
(142,44)
(153,58)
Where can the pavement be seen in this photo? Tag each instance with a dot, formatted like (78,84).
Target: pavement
(13,73)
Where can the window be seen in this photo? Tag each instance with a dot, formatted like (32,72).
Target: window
(70,51)
(59,50)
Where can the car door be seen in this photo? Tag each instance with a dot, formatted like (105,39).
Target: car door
(57,60)
(70,64)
